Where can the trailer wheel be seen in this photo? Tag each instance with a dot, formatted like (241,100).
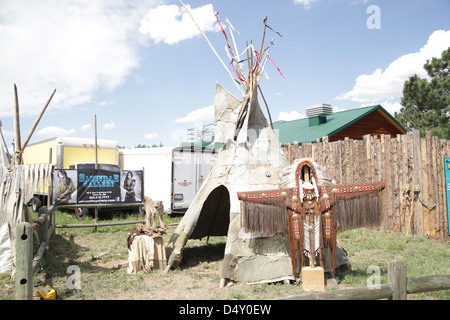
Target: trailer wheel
(36,203)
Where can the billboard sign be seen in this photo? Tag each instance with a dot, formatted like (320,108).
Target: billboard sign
(96,186)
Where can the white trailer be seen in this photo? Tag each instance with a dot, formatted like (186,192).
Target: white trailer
(190,167)
(171,174)
(157,166)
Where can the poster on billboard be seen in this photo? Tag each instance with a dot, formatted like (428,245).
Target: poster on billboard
(64,186)
(98,186)
(92,186)
(131,186)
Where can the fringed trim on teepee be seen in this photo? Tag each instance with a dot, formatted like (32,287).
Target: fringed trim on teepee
(267,218)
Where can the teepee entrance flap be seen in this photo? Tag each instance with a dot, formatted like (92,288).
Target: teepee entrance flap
(214,216)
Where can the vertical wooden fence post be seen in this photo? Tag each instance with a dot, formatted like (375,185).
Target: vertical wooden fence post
(96,166)
(397,279)
(24,261)
(43,229)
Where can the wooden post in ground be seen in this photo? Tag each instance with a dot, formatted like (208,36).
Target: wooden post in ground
(96,166)
(397,279)
(17,157)
(43,229)
(24,261)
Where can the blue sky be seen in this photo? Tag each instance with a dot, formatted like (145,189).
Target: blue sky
(148,75)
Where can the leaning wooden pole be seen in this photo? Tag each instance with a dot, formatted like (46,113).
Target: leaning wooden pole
(262,43)
(267,107)
(37,120)
(212,48)
(17,159)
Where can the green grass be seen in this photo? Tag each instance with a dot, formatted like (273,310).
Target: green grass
(371,247)
(101,257)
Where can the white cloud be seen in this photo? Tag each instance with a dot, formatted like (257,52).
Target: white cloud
(294,115)
(202,114)
(85,127)
(358,2)
(388,84)
(337,109)
(306,3)
(171,23)
(74,46)
(289,116)
(110,125)
(52,131)
(391,106)
(7,134)
(150,136)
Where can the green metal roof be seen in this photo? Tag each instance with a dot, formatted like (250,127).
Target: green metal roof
(300,131)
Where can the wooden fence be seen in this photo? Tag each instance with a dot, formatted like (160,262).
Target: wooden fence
(25,263)
(398,287)
(414,200)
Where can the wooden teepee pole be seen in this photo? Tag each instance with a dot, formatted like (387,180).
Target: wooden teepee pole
(37,120)
(217,55)
(262,45)
(267,107)
(17,159)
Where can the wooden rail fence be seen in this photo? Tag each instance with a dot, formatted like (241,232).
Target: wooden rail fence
(413,168)
(398,287)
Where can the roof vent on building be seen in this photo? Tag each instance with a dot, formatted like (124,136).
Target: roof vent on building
(317,114)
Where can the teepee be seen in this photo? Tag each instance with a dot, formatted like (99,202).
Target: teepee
(18,182)
(251,159)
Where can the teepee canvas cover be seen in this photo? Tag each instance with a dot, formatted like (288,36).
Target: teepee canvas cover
(251,159)
(17,185)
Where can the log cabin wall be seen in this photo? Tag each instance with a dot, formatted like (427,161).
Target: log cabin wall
(375,124)
(409,164)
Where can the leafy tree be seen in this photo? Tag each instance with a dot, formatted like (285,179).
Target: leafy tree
(152,146)
(142,146)
(426,102)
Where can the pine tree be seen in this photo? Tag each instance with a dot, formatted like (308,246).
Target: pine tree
(426,103)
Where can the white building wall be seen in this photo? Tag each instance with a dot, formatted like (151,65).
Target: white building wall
(157,166)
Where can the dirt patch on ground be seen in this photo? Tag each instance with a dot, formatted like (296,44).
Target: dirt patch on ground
(196,280)
(103,271)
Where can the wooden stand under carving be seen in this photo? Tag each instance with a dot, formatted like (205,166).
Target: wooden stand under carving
(146,250)
(313,279)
